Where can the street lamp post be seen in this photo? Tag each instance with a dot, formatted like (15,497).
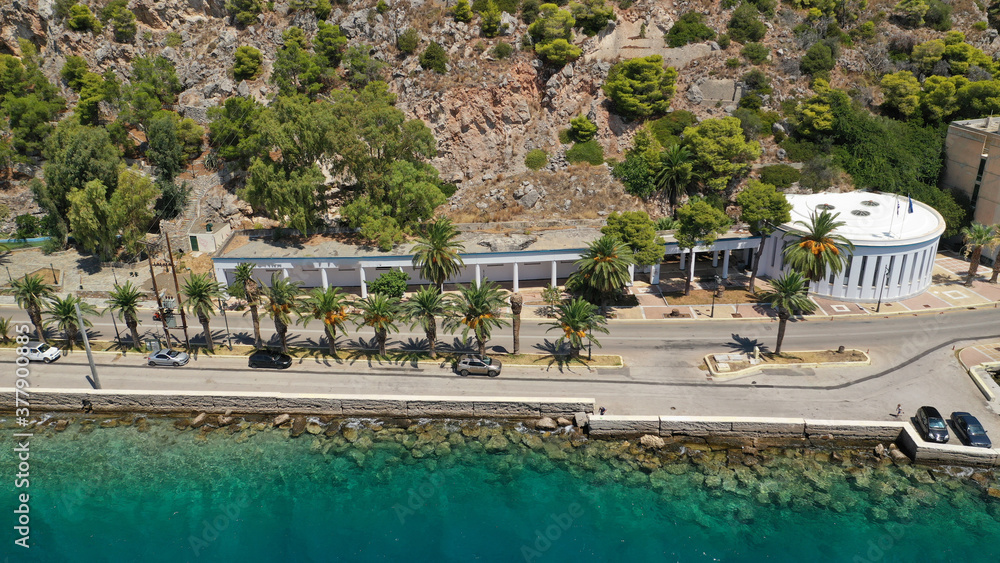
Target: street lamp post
(718,281)
(885,281)
(229,335)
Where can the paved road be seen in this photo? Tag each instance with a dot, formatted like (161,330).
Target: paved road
(913,364)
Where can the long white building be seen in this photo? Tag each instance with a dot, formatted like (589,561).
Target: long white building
(894,244)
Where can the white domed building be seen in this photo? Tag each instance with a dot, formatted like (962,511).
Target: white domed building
(895,243)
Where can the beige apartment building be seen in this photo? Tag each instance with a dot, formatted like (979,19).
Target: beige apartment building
(972,165)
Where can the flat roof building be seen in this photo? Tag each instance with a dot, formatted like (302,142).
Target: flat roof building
(972,165)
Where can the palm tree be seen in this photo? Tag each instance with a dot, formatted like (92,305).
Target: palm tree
(62,314)
(330,306)
(200,293)
(578,319)
(818,250)
(789,293)
(992,246)
(976,237)
(31,293)
(379,312)
(5,325)
(675,172)
(423,309)
(479,311)
(125,299)
(282,299)
(603,268)
(435,255)
(516,304)
(246,287)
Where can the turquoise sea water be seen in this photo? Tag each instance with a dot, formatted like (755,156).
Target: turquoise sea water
(462,492)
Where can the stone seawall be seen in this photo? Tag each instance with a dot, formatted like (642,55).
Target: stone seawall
(765,431)
(301,403)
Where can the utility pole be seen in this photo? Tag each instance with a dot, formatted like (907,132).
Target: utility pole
(177,288)
(94,381)
(159,302)
(885,282)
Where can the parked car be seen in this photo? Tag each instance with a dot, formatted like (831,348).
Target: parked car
(931,425)
(484,365)
(270,359)
(969,431)
(42,352)
(168,358)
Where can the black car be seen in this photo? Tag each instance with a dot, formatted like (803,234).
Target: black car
(270,359)
(931,425)
(969,431)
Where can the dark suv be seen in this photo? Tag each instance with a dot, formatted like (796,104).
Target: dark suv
(969,431)
(931,425)
(270,359)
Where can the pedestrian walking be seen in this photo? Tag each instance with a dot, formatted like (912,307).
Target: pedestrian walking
(603,410)
(899,410)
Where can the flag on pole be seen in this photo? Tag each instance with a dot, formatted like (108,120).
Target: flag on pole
(910,200)
(897,207)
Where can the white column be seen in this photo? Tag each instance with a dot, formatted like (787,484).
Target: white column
(692,264)
(364,283)
(725,264)
(554,279)
(517,286)
(683,257)
(221,277)
(911,263)
(479,274)
(631,275)
(715,259)
(326,280)
(852,277)
(284,273)
(654,274)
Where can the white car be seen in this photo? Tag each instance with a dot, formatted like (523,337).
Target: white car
(42,352)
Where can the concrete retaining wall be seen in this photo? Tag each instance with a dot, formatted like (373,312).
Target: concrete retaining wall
(925,452)
(336,405)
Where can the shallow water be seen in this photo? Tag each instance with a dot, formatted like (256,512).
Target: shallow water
(151,492)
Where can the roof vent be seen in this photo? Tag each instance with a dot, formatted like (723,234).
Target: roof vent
(870,203)
(860,213)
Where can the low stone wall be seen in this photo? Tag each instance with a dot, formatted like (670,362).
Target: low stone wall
(301,403)
(768,431)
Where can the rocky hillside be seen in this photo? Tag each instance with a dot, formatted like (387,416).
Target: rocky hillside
(485,113)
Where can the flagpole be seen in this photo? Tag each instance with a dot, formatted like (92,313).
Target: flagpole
(906,212)
(894,212)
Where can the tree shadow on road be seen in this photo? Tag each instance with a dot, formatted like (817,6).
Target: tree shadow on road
(560,356)
(746,344)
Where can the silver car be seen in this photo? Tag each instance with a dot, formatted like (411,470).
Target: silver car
(168,358)
(484,365)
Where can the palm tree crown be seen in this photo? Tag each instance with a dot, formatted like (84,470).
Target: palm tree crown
(423,309)
(125,299)
(200,292)
(247,287)
(379,312)
(330,306)
(282,299)
(603,267)
(31,294)
(818,250)
(578,319)
(976,237)
(675,172)
(435,255)
(789,294)
(479,311)
(62,314)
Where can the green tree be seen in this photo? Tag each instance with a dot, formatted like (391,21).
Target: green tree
(720,151)
(789,294)
(329,44)
(165,149)
(536,159)
(131,207)
(282,299)
(816,249)
(745,25)
(478,312)
(295,69)
(780,176)
(642,87)
(248,63)
(762,208)
(550,25)
(689,28)
(558,52)
(912,11)
(901,93)
(489,19)
(582,129)
(756,53)
(245,286)
(125,299)
(436,252)
(603,269)
(288,196)
(408,41)
(578,319)
(6,326)
(245,11)
(975,238)
(234,130)
(92,92)
(362,70)
(62,314)
(552,297)
(121,19)
(699,224)
(391,284)
(591,15)
(379,312)
(635,173)
(90,215)
(675,172)
(72,72)
(28,117)
(330,306)
(200,294)
(819,58)
(434,58)
(638,231)
(462,12)
(31,293)
(81,19)
(156,76)
(423,309)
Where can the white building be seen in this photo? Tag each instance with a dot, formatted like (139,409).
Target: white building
(894,246)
